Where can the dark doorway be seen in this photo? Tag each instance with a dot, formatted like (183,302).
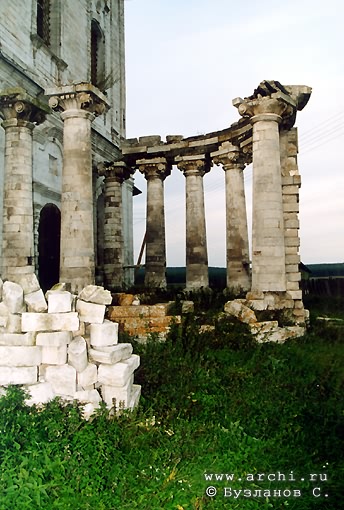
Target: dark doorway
(49,246)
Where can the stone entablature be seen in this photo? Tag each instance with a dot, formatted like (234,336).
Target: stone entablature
(287,99)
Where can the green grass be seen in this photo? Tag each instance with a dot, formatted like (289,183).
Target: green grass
(212,403)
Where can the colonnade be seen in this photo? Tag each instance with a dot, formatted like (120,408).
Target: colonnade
(262,137)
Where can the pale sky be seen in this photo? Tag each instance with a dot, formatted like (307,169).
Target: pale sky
(185,62)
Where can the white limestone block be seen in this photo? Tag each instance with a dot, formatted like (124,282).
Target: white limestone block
(19,339)
(13,297)
(135,396)
(54,355)
(28,282)
(102,335)
(88,410)
(54,339)
(133,362)
(14,323)
(90,312)
(294,294)
(35,301)
(77,354)
(112,354)
(117,396)
(4,313)
(59,301)
(239,310)
(18,375)
(81,331)
(40,393)
(87,377)
(118,374)
(50,321)
(91,396)
(262,330)
(20,356)
(62,379)
(96,294)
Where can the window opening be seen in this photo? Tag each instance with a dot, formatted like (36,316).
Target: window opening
(43,20)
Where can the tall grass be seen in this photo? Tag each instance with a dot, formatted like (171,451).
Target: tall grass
(213,403)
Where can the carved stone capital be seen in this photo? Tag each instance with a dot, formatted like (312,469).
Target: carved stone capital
(19,107)
(279,108)
(229,156)
(82,96)
(118,171)
(193,165)
(157,168)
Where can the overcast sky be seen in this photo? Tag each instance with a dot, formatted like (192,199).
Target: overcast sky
(185,62)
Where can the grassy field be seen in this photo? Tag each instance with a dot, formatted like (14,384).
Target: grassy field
(214,404)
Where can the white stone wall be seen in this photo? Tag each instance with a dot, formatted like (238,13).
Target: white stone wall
(27,62)
(59,345)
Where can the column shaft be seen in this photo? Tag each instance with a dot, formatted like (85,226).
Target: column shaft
(155,275)
(238,270)
(113,238)
(268,248)
(18,247)
(77,240)
(79,104)
(196,238)
(238,262)
(155,172)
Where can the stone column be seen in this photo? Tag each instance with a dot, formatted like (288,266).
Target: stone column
(194,168)
(268,244)
(79,104)
(114,174)
(21,113)
(238,260)
(155,172)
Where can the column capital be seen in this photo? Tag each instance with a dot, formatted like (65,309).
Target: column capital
(117,170)
(273,108)
(82,96)
(229,156)
(157,168)
(193,165)
(18,108)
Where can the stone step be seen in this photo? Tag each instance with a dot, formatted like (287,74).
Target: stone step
(140,311)
(141,327)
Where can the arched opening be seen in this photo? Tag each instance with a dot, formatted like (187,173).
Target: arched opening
(97,56)
(49,246)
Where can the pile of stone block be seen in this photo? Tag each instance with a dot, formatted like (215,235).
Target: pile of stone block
(263,331)
(61,345)
(139,320)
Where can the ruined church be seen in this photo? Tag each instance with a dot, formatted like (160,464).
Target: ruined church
(67,168)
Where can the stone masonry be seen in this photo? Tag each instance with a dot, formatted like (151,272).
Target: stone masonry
(79,105)
(21,113)
(265,136)
(60,345)
(155,172)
